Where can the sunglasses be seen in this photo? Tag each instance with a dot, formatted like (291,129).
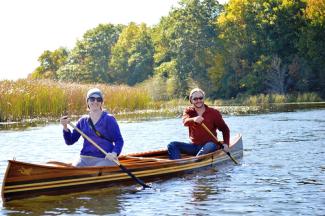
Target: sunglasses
(198,98)
(92,99)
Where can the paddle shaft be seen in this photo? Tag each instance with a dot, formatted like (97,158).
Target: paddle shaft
(208,130)
(123,168)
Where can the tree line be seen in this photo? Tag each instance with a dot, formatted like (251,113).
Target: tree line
(245,47)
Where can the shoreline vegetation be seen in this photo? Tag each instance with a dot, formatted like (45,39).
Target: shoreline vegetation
(25,103)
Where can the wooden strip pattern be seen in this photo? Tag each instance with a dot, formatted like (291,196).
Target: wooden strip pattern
(25,179)
(97,179)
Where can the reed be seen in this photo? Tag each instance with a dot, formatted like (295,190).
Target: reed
(265,100)
(256,100)
(46,99)
(307,97)
(28,99)
(278,98)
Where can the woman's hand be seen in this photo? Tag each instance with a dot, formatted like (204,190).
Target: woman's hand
(65,120)
(111,156)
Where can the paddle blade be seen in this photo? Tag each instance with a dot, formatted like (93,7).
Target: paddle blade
(233,159)
(139,181)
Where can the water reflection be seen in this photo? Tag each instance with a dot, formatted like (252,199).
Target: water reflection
(201,191)
(98,202)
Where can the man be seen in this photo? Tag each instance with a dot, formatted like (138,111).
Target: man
(201,141)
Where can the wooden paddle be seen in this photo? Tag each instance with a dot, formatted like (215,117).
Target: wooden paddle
(123,168)
(228,153)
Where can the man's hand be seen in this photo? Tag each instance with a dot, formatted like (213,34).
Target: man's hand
(112,156)
(225,148)
(198,119)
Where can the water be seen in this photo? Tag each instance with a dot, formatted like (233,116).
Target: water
(282,171)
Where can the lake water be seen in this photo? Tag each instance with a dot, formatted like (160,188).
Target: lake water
(282,171)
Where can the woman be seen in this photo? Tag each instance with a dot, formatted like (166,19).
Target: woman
(101,127)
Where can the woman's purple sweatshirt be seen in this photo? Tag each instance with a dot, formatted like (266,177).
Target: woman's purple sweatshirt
(107,126)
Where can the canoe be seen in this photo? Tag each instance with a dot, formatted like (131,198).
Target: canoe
(23,180)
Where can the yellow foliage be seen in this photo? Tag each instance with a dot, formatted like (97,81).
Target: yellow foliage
(315,11)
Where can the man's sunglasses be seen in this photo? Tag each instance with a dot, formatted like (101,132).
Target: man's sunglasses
(92,99)
(198,98)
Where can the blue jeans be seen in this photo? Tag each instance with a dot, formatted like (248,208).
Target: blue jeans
(175,149)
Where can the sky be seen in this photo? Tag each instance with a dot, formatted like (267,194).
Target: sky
(29,27)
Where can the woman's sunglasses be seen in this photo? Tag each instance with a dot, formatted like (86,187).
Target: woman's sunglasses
(92,99)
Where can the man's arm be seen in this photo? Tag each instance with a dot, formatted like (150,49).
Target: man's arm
(223,127)
(190,121)
(187,119)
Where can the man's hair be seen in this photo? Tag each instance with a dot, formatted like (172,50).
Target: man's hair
(196,90)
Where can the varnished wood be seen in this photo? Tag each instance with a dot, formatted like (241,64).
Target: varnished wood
(146,159)
(24,180)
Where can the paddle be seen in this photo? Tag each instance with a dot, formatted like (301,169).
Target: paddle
(123,168)
(228,153)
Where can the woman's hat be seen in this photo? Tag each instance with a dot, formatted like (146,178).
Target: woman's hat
(94,92)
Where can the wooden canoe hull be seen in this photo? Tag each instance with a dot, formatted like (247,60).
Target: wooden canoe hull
(23,180)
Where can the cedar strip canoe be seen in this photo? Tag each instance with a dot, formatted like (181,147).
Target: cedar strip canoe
(23,180)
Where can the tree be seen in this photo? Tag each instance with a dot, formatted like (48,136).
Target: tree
(277,76)
(132,55)
(88,61)
(50,62)
(312,44)
(186,39)
(253,31)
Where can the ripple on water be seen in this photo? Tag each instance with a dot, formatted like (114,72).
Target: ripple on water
(281,173)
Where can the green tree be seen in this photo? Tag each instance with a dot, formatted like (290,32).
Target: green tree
(312,45)
(184,42)
(50,62)
(132,55)
(88,61)
(253,33)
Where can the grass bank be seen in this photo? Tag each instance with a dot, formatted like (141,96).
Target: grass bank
(29,101)
(26,99)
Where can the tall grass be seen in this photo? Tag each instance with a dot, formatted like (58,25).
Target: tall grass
(267,99)
(34,99)
(305,97)
(26,99)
